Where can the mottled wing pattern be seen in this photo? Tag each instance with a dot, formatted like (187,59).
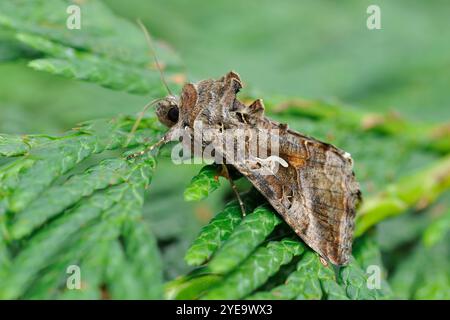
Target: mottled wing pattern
(316,194)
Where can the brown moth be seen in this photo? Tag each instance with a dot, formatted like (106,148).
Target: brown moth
(315,190)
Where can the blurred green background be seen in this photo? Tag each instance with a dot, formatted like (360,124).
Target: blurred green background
(311,49)
(308,49)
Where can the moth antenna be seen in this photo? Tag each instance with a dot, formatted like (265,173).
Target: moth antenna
(139,119)
(149,41)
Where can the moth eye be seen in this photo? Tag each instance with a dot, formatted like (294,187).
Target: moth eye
(173,114)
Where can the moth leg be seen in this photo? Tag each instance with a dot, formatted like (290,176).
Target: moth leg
(323,261)
(226,174)
(148,149)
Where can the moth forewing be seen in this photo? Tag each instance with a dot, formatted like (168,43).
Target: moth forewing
(308,182)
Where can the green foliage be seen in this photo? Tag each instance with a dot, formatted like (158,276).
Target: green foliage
(249,259)
(437,230)
(255,270)
(93,54)
(77,199)
(204,183)
(12,145)
(245,238)
(415,190)
(55,199)
(431,137)
(213,234)
(423,274)
(51,218)
(305,282)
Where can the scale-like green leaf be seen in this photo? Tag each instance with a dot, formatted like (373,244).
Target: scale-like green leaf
(88,243)
(57,198)
(213,234)
(14,145)
(218,230)
(301,284)
(437,230)
(252,231)
(142,253)
(355,281)
(203,184)
(113,55)
(107,74)
(49,241)
(254,271)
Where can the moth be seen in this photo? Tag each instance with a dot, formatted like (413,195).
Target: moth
(314,188)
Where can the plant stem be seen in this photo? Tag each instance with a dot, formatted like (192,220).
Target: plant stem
(414,191)
(428,136)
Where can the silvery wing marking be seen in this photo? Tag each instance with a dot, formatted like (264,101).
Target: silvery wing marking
(313,189)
